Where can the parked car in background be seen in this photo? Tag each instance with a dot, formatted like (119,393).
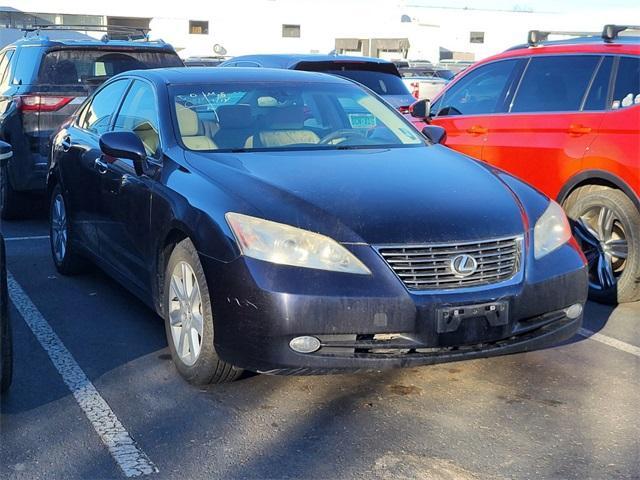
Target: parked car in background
(203,61)
(564,116)
(456,66)
(42,82)
(425,82)
(6,340)
(381,76)
(289,222)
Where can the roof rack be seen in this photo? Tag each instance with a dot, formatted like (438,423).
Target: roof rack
(611,32)
(535,37)
(132,33)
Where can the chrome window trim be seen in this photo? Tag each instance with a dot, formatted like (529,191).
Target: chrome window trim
(515,279)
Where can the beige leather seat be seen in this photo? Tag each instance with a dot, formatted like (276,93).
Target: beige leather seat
(149,136)
(286,127)
(190,130)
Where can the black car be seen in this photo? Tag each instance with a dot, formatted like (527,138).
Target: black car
(6,343)
(293,222)
(42,82)
(203,61)
(380,76)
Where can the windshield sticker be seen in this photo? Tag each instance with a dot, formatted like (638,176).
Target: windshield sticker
(362,120)
(209,101)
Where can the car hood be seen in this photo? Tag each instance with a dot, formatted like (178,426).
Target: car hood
(381,196)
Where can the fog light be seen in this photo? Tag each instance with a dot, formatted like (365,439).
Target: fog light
(574,311)
(305,344)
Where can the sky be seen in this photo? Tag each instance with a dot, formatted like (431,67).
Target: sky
(535,5)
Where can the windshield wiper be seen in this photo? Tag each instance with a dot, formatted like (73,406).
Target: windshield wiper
(355,147)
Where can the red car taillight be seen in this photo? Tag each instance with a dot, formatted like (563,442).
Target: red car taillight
(42,103)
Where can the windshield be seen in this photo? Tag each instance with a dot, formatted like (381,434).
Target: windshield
(82,66)
(284,116)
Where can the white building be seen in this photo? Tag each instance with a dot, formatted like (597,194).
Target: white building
(378,27)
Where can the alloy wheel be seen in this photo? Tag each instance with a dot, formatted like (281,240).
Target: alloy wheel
(185,313)
(604,242)
(59,231)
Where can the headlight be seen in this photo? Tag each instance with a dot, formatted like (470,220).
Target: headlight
(552,230)
(286,245)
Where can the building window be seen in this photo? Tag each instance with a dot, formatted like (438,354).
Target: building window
(198,27)
(476,37)
(292,31)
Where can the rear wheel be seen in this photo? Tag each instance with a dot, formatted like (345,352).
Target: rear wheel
(607,226)
(12,203)
(189,321)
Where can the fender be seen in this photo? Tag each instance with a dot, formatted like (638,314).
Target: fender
(600,176)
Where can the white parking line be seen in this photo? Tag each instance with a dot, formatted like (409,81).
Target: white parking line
(37,237)
(612,342)
(129,457)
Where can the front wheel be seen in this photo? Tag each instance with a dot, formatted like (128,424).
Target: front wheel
(61,236)
(189,321)
(607,227)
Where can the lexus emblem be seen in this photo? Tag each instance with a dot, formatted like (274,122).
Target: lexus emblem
(463,265)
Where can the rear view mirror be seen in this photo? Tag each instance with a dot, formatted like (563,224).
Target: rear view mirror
(421,108)
(5,152)
(435,133)
(125,145)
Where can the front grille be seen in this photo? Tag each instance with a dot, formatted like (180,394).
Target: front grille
(428,267)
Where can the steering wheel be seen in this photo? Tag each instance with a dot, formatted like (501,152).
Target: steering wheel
(343,134)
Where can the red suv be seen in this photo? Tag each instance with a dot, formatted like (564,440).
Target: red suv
(565,117)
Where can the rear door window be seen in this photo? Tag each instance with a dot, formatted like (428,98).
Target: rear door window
(555,83)
(98,114)
(480,92)
(626,91)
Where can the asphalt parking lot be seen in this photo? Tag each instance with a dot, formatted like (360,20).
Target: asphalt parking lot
(572,411)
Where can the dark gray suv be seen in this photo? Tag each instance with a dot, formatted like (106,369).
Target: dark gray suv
(42,82)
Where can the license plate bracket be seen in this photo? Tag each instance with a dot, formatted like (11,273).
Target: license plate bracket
(448,319)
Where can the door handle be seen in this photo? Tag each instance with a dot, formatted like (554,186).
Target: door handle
(578,129)
(66,143)
(477,130)
(101,166)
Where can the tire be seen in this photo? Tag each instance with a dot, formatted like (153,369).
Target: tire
(604,219)
(12,203)
(62,238)
(197,362)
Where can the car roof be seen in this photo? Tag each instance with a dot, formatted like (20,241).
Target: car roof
(183,75)
(86,41)
(291,60)
(592,44)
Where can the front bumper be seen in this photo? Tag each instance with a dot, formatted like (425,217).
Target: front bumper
(374,322)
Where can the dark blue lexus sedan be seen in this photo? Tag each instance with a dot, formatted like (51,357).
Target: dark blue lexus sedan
(294,223)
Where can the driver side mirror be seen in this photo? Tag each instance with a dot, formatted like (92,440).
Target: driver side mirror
(5,153)
(421,109)
(125,145)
